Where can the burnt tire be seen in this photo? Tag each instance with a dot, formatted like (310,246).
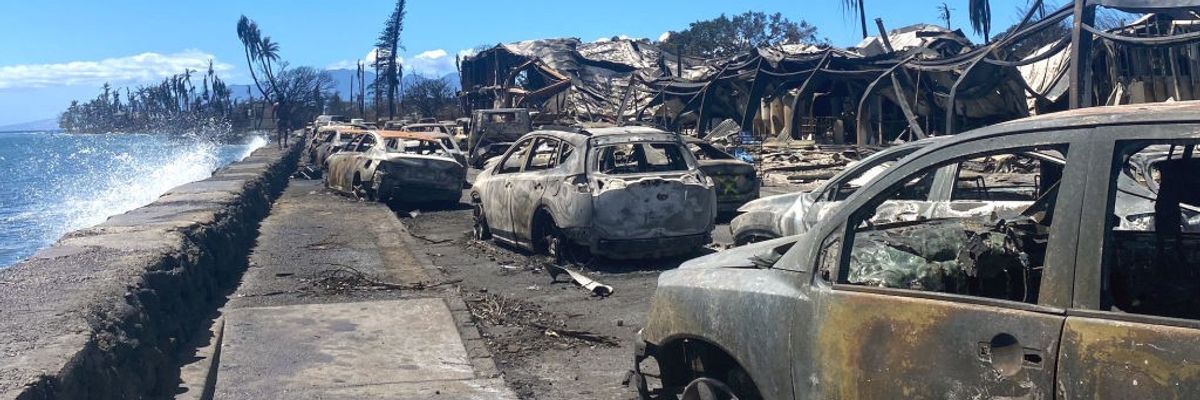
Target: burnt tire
(372,189)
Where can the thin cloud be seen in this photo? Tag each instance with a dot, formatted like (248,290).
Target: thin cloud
(143,67)
(434,63)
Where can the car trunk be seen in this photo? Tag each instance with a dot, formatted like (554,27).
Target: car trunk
(430,172)
(645,207)
(731,177)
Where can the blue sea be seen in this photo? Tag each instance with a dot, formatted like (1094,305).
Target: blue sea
(54,183)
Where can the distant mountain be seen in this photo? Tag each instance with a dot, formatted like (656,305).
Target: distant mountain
(50,124)
(342,81)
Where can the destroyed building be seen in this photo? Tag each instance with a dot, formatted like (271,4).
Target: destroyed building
(916,81)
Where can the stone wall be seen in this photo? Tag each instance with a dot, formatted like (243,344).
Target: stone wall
(103,312)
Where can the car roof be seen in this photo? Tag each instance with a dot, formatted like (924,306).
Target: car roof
(1132,114)
(341,129)
(607,135)
(500,110)
(386,134)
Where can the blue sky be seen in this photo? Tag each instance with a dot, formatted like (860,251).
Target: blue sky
(58,50)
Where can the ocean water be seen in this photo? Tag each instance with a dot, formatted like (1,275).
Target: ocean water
(54,183)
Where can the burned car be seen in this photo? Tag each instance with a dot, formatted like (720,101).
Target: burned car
(793,213)
(735,181)
(329,140)
(443,132)
(627,192)
(397,165)
(1058,298)
(493,131)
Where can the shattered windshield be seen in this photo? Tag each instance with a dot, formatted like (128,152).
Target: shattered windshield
(640,158)
(416,146)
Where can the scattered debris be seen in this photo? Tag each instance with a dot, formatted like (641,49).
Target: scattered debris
(502,311)
(346,278)
(597,288)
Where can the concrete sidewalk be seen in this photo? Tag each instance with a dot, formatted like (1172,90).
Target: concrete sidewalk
(330,308)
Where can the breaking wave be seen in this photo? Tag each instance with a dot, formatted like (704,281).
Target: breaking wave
(63,182)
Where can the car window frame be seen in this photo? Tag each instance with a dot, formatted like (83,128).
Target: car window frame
(1090,265)
(513,150)
(363,142)
(938,157)
(553,163)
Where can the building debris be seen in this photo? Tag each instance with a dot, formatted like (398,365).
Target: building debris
(598,289)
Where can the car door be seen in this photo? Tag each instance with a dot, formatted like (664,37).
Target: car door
(498,197)
(529,186)
(1133,331)
(344,160)
(362,159)
(950,307)
(333,168)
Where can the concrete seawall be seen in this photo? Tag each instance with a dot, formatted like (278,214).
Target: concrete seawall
(104,311)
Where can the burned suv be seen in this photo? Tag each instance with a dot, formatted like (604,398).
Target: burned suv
(616,192)
(1081,283)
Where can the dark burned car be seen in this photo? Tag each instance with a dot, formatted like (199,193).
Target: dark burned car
(615,192)
(1069,296)
(735,181)
(397,165)
(493,131)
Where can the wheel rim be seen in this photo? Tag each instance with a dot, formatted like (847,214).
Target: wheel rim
(707,389)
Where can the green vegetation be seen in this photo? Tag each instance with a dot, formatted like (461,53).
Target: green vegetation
(173,105)
(724,36)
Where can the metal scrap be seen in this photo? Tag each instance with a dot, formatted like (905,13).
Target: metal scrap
(597,288)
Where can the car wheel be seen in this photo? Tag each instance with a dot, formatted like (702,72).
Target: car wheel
(480,230)
(372,190)
(560,248)
(707,389)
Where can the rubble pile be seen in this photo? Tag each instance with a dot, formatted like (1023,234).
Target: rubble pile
(804,167)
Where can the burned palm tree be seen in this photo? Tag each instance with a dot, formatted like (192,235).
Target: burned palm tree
(980,13)
(389,40)
(858,7)
(944,14)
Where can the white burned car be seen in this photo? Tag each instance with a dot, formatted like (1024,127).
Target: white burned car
(397,165)
(628,192)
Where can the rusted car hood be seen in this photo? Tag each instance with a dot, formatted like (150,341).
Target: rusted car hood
(755,255)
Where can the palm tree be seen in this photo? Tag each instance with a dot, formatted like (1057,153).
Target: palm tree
(861,9)
(980,12)
(944,14)
(248,33)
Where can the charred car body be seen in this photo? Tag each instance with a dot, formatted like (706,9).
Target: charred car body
(616,192)
(793,213)
(493,131)
(735,181)
(396,165)
(1060,298)
(329,140)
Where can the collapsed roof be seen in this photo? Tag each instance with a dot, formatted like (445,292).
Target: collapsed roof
(917,81)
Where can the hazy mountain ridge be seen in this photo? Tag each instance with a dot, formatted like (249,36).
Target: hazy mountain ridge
(49,124)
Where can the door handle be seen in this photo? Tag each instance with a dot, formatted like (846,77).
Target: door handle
(1005,353)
